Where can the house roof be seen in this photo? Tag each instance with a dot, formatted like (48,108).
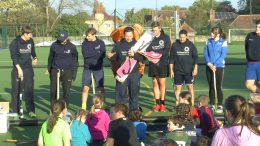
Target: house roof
(187,28)
(245,21)
(225,15)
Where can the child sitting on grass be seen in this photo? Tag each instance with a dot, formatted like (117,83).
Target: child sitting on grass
(98,121)
(176,130)
(136,116)
(185,97)
(208,122)
(80,135)
(184,111)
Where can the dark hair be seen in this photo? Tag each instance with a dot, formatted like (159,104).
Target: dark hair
(79,114)
(218,30)
(240,111)
(120,107)
(184,111)
(186,95)
(168,142)
(135,115)
(128,29)
(183,31)
(176,119)
(98,102)
(203,99)
(156,24)
(204,141)
(57,107)
(257,22)
(26,29)
(91,31)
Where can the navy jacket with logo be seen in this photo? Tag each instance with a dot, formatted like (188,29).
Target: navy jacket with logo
(93,53)
(252,46)
(22,52)
(161,45)
(63,56)
(183,56)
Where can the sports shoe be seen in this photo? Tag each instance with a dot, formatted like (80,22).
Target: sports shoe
(219,109)
(212,107)
(162,108)
(32,115)
(156,108)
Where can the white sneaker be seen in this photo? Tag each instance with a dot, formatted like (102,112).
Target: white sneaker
(212,107)
(220,109)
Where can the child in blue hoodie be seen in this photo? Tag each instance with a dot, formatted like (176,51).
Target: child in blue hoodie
(80,135)
(215,52)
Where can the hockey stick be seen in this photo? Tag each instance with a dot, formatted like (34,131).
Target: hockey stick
(58,84)
(93,83)
(19,141)
(20,99)
(215,90)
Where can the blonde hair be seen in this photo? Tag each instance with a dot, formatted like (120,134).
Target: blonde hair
(79,114)
(203,99)
(98,102)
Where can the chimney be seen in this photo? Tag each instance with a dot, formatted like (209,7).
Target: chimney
(212,15)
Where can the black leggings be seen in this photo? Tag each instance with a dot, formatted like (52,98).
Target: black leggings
(219,79)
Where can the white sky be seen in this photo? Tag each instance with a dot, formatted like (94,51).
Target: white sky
(138,4)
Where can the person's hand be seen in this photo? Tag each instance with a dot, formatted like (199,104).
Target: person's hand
(212,67)
(194,72)
(131,53)
(20,72)
(35,62)
(110,54)
(171,74)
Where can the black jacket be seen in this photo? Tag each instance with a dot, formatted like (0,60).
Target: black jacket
(161,45)
(252,47)
(22,52)
(93,54)
(63,56)
(183,56)
(121,49)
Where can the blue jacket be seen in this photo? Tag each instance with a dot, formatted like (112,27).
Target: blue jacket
(93,54)
(215,52)
(80,135)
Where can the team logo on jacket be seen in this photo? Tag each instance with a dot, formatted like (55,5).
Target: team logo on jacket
(67,52)
(97,47)
(186,49)
(26,50)
(161,42)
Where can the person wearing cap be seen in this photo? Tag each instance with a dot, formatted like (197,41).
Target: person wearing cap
(63,60)
(93,52)
(23,55)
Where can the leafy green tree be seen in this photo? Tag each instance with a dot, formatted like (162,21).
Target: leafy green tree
(244,6)
(199,16)
(225,6)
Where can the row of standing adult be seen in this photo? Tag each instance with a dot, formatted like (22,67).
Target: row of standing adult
(63,58)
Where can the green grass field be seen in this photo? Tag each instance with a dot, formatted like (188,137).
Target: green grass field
(233,84)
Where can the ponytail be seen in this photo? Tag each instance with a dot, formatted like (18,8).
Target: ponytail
(57,108)
(92,111)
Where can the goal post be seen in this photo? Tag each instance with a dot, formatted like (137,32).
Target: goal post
(238,34)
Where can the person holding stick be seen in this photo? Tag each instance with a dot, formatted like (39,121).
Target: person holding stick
(23,55)
(62,63)
(252,48)
(159,71)
(122,50)
(215,52)
(183,65)
(93,52)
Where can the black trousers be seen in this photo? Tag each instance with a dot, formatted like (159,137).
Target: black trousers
(65,79)
(26,87)
(219,80)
